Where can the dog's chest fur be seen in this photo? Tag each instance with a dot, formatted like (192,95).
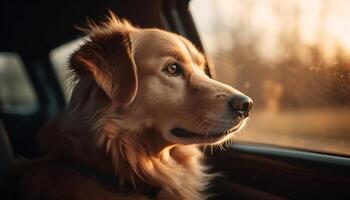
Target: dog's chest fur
(177,170)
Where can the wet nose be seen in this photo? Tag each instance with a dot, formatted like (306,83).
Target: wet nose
(240,104)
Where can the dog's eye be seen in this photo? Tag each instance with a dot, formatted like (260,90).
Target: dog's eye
(174,69)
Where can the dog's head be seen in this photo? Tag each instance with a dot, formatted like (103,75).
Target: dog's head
(157,80)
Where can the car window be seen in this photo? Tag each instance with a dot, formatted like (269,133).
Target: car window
(16,91)
(293,59)
(59,58)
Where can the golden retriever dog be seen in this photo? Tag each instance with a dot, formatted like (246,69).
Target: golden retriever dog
(141,106)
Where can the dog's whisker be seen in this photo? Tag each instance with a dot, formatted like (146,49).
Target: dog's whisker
(205,146)
(197,115)
(207,132)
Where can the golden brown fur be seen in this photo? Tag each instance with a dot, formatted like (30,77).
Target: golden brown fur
(119,116)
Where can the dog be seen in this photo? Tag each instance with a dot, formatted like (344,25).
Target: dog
(141,106)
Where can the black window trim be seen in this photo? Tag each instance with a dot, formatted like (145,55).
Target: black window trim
(287,152)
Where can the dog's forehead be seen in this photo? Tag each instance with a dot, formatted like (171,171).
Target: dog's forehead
(162,43)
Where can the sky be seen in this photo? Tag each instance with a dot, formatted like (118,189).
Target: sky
(319,22)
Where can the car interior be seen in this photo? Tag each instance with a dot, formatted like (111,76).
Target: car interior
(250,170)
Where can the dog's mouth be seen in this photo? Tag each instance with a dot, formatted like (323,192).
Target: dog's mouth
(183,133)
(235,126)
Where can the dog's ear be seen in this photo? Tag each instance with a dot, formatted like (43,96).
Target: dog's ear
(107,57)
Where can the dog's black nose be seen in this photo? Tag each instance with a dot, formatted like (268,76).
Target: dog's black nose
(240,104)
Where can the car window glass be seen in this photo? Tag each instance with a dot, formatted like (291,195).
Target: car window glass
(293,59)
(16,91)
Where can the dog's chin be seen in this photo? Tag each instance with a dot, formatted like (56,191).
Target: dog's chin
(184,136)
